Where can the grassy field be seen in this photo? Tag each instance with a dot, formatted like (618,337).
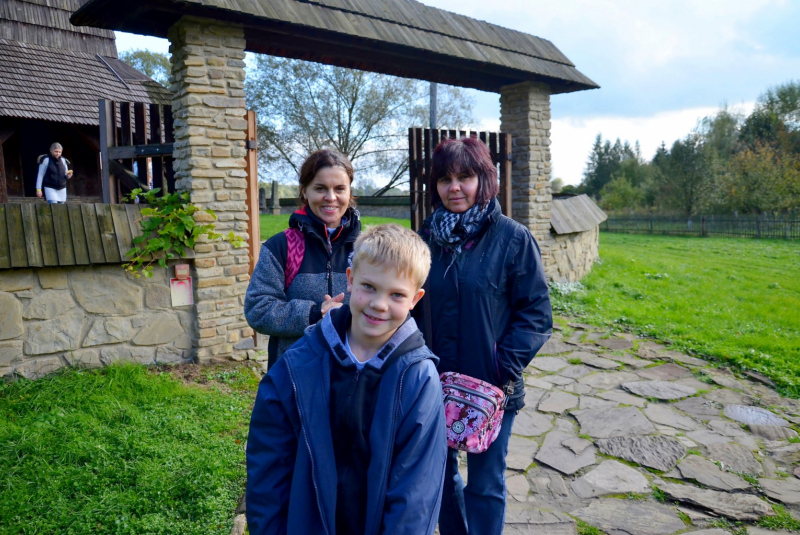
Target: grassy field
(272,224)
(734,300)
(124,450)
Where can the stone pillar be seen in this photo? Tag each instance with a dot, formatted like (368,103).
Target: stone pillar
(525,114)
(208,108)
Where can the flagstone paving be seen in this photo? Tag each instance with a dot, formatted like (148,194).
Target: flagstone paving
(610,417)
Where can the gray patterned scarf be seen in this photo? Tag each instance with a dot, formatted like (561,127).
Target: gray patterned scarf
(452,231)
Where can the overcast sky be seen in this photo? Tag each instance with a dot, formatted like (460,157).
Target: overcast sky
(661,65)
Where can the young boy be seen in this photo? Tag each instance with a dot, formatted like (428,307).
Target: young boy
(347,435)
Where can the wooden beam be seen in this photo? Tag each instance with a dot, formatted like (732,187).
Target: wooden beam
(30,228)
(5,255)
(129,152)
(506,197)
(47,235)
(16,236)
(63,234)
(251,167)
(107,127)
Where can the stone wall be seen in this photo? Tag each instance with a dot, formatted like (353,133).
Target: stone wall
(525,114)
(573,255)
(88,317)
(210,129)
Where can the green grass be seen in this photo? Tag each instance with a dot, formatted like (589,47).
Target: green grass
(123,450)
(735,301)
(586,529)
(272,224)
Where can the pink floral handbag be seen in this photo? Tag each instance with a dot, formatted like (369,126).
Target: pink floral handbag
(473,412)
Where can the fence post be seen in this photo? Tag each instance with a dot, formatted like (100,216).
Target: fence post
(758,227)
(651,223)
(703,226)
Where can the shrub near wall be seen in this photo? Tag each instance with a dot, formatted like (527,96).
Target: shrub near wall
(88,317)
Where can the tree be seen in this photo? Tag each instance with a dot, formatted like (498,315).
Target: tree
(762,180)
(303,107)
(604,161)
(153,64)
(683,176)
(556,185)
(620,194)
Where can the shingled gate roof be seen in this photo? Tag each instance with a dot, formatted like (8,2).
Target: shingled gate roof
(54,71)
(398,37)
(46,23)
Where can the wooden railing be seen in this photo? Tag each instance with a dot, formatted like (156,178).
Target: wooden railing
(38,235)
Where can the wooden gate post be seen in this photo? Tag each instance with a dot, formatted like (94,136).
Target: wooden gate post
(254,223)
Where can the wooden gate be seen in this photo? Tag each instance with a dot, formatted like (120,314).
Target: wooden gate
(422,141)
(135,132)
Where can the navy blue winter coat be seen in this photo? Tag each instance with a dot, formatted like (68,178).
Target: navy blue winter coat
(490,312)
(284,313)
(291,469)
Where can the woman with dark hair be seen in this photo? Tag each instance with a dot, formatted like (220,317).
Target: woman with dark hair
(300,274)
(489,312)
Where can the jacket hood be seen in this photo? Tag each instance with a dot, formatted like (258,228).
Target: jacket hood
(333,329)
(304,220)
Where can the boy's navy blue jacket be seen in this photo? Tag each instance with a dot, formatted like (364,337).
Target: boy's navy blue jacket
(292,475)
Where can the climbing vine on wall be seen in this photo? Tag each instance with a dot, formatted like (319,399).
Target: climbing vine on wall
(168,229)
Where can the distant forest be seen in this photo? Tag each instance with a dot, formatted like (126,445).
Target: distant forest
(730,163)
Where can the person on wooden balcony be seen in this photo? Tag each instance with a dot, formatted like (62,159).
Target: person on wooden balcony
(300,274)
(53,174)
(488,315)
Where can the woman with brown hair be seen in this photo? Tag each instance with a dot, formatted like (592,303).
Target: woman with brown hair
(300,274)
(489,313)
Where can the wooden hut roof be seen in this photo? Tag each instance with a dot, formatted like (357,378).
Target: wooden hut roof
(46,23)
(575,214)
(38,82)
(398,37)
(52,70)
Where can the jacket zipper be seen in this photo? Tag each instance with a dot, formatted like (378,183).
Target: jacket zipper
(468,402)
(474,393)
(310,455)
(394,430)
(350,397)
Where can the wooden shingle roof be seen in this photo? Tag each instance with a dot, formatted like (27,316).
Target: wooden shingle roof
(575,214)
(38,82)
(398,37)
(46,23)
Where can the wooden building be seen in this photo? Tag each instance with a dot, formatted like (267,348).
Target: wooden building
(52,75)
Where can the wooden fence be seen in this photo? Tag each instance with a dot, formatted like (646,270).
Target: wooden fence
(708,225)
(37,235)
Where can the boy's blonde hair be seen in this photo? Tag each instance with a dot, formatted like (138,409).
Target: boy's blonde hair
(395,247)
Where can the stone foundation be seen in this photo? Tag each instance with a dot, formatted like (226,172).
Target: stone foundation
(573,255)
(88,317)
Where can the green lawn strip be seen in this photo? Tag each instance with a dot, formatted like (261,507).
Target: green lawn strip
(272,224)
(123,450)
(734,300)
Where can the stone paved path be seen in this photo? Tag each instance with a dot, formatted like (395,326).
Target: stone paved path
(610,418)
